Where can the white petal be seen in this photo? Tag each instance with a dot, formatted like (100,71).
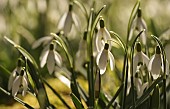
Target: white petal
(112,61)
(43,58)
(58,59)
(99,44)
(41,40)
(76,21)
(156,66)
(62,21)
(106,34)
(138,85)
(25,86)
(16,85)
(50,62)
(145,58)
(135,63)
(68,23)
(142,89)
(11,79)
(98,57)
(150,63)
(103,61)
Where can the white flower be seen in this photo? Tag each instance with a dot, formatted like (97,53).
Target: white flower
(67,20)
(102,36)
(20,84)
(139,85)
(103,57)
(139,24)
(139,59)
(156,64)
(14,74)
(51,58)
(81,55)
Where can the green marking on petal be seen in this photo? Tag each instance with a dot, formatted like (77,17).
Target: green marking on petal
(158,51)
(51,47)
(101,23)
(106,46)
(139,12)
(138,47)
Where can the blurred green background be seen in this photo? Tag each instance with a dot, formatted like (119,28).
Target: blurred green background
(24,21)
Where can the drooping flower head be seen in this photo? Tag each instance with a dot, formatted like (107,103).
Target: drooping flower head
(51,58)
(102,36)
(14,74)
(67,21)
(20,84)
(139,59)
(103,57)
(155,63)
(139,24)
(140,86)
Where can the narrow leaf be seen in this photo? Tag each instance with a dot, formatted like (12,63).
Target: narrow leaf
(155,101)
(76,101)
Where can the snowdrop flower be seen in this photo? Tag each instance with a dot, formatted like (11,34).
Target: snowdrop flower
(81,55)
(20,84)
(14,74)
(155,64)
(139,24)
(67,21)
(139,59)
(102,36)
(51,58)
(140,87)
(103,57)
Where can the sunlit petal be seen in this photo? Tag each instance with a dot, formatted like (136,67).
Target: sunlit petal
(68,23)
(76,21)
(11,79)
(145,58)
(25,86)
(16,85)
(103,61)
(62,21)
(58,59)
(99,44)
(135,62)
(112,61)
(155,66)
(43,58)
(50,62)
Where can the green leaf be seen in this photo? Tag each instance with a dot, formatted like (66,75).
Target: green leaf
(82,7)
(148,91)
(115,96)
(22,51)
(155,100)
(5,72)
(132,17)
(76,101)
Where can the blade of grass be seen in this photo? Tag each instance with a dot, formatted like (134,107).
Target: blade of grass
(57,94)
(115,96)
(17,99)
